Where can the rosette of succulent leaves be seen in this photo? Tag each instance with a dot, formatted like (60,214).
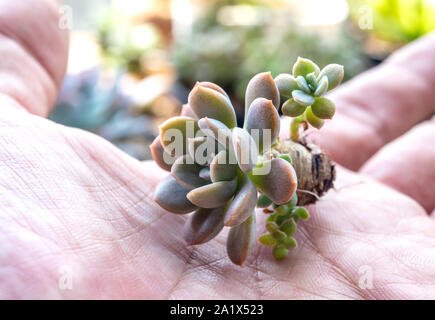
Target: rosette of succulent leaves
(304,91)
(217,170)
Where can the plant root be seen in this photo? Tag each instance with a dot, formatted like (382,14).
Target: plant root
(315,171)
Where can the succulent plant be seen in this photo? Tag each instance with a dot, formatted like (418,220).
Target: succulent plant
(304,91)
(217,169)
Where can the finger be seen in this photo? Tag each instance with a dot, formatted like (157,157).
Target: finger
(33,51)
(407,164)
(380,105)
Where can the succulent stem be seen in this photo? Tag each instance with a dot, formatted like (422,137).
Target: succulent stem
(294,127)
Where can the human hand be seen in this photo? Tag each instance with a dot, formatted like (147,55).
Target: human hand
(74,206)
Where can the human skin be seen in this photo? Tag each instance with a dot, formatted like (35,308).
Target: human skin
(73,205)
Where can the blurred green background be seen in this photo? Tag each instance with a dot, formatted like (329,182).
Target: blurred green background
(133,62)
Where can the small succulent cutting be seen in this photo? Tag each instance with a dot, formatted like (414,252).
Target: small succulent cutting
(304,91)
(219,172)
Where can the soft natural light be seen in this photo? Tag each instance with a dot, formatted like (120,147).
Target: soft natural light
(131,7)
(322,12)
(182,15)
(243,15)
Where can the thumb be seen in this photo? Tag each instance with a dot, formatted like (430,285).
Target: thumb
(33,50)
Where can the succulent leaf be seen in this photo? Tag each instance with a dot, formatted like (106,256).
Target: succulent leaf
(263,201)
(302,98)
(203,225)
(291,108)
(162,158)
(186,111)
(313,120)
(202,149)
(279,184)
(303,66)
(216,130)
(263,123)
(213,195)
(206,102)
(186,172)
(286,157)
(301,212)
(311,80)
(288,227)
(279,252)
(213,86)
(334,73)
(323,108)
(205,174)
(245,149)
(286,83)
(289,243)
(222,168)
(261,86)
(243,203)
(240,240)
(322,87)
(170,195)
(302,84)
(175,132)
(267,240)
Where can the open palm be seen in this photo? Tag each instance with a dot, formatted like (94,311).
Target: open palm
(74,208)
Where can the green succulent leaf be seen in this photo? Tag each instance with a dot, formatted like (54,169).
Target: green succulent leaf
(263,201)
(303,66)
(302,98)
(261,86)
(271,218)
(245,149)
(263,123)
(213,195)
(322,87)
(294,200)
(267,240)
(186,172)
(241,239)
(279,252)
(282,210)
(286,157)
(289,243)
(286,83)
(175,132)
(288,227)
(162,158)
(301,212)
(170,195)
(302,84)
(280,181)
(206,102)
(203,225)
(311,80)
(313,120)
(222,168)
(334,73)
(291,108)
(271,226)
(279,235)
(323,108)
